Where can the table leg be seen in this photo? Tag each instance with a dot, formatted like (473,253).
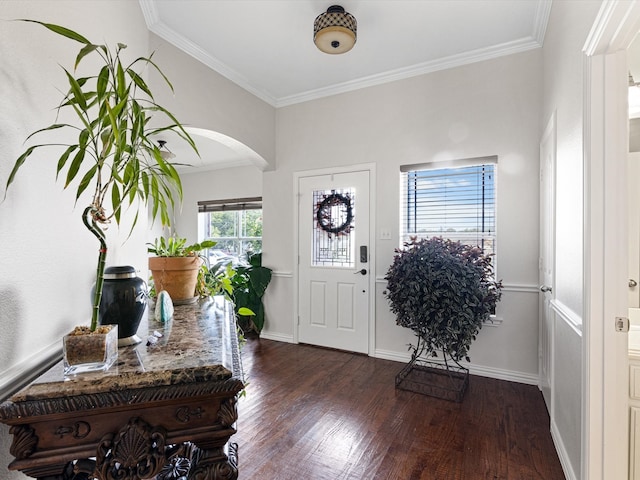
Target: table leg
(216,463)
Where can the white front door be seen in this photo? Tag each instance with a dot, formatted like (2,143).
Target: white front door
(547,260)
(334,261)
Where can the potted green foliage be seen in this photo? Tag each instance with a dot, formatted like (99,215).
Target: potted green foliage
(249,285)
(175,266)
(443,291)
(216,280)
(115,157)
(220,280)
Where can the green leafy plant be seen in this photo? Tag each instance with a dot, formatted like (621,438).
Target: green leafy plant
(116,154)
(443,291)
(218,280)
(177,247)
(215,281)
(249,285)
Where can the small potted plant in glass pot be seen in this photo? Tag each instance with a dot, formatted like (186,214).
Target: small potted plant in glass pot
(116,158)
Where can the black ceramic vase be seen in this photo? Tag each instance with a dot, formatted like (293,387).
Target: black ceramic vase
(124,299)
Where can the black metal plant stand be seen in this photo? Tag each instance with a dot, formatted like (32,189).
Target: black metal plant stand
(436,379)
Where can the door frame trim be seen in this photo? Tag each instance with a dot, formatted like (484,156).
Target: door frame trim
(368,167)
(550,135)
(605,143)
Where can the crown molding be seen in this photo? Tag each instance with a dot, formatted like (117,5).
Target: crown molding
(528,43)
(445,63)
(163,31)
(543,11)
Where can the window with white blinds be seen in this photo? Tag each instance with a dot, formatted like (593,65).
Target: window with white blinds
(457,202)
(234,224)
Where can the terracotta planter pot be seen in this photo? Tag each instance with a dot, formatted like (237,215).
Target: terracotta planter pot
(177,275)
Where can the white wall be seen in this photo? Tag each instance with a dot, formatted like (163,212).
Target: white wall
(487,108)
(47,257)
(567,31)
(206,99)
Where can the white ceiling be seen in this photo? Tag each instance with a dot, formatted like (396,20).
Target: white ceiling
(266,46)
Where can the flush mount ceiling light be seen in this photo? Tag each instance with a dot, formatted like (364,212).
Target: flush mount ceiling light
(165,153)
(335,30)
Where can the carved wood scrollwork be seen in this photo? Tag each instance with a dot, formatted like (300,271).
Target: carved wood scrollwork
(137,451)
(77,430)
(185,414)
(216,465)
(228,413)
(216,471)
(24,441)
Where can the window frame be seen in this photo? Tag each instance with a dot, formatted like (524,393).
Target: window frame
(238,206)
(405,201)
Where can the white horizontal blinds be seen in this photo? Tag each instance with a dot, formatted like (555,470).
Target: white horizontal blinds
(234,204)
(457,202)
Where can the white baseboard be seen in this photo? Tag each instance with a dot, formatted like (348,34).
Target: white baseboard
(481,370)
(501,374)
(19,375)
(278,337)
(392,355)
(562,453)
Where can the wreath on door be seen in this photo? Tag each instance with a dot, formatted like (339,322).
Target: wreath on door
(332,221)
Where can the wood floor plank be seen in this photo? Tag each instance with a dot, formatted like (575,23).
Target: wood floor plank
(317,414)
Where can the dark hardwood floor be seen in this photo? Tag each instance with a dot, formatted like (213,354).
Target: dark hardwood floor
(318,414)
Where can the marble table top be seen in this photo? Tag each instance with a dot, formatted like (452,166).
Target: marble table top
(198,344)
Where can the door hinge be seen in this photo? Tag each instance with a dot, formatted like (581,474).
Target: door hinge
(622,324)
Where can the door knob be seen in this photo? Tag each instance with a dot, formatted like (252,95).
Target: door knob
(361,272)
(632,283)
(546,288)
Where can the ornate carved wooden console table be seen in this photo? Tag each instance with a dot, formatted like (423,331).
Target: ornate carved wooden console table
(166,408)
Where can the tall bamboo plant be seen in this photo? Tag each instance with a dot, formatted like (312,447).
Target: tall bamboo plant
(116,154)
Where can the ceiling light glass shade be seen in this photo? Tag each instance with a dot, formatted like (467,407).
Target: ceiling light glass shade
(165,153)
(335,31)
